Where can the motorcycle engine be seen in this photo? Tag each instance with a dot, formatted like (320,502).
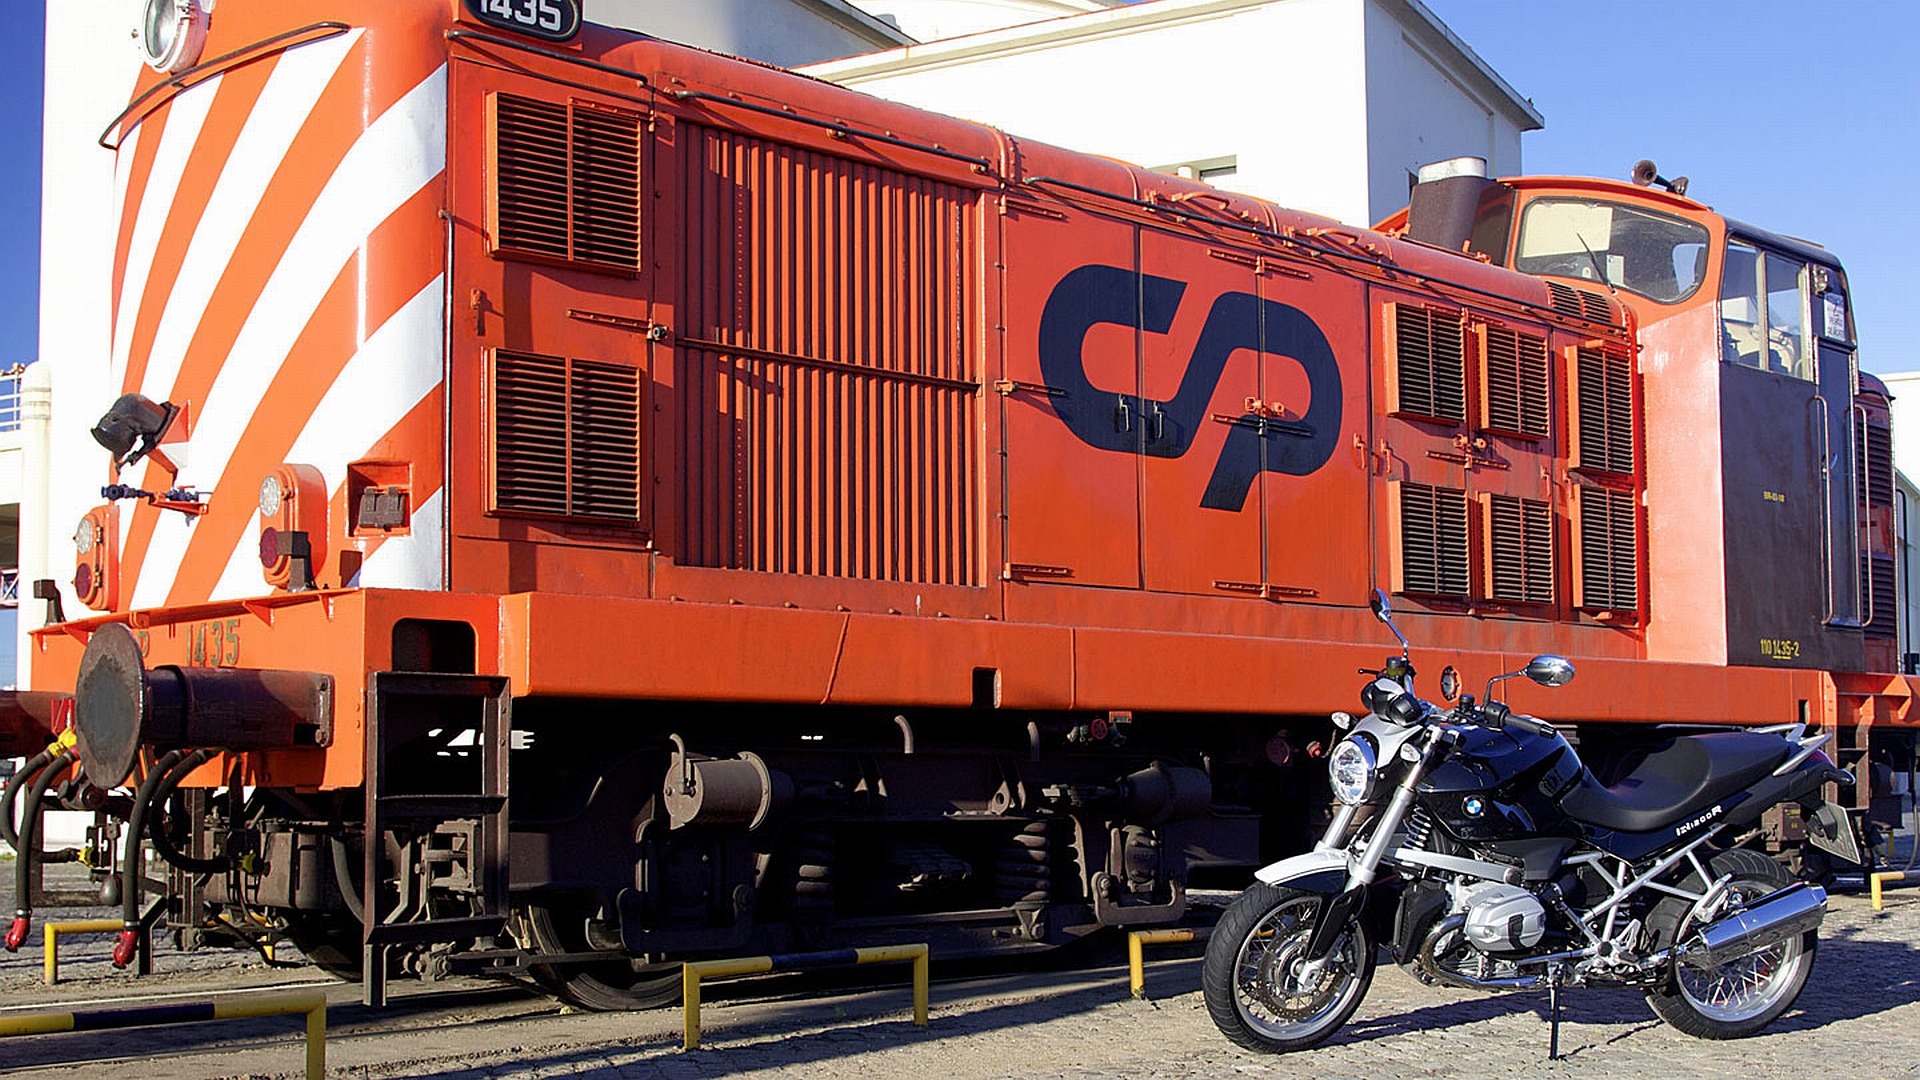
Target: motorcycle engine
(1503,918)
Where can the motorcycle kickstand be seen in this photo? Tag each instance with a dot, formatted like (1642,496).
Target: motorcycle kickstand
(1553,1013)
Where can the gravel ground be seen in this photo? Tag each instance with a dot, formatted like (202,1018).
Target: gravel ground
(1859,1014)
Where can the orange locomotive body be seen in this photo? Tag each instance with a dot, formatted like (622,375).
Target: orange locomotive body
(614,503)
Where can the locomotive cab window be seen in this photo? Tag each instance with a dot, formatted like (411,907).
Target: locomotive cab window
(1763,312)
(1658,256)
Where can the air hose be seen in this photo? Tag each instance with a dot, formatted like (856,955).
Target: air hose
(156,829)
(20,779)
(128,944)
(28,846)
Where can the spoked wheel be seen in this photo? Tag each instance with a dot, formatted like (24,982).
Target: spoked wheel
(1260,989)
(1743,995)
(613,985)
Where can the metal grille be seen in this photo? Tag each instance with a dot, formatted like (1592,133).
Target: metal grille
(1433,540)
(1609,575)
(565,437)
(1579,302)
(1876,582)
(1519,550)
(1873,464)
(567,181)
(828,387)
(1516,388)
(1429,362)
(1603,410)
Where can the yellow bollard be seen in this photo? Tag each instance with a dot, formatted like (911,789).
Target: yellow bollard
(50,963)
(692,972)
(1136,966)
(1874,881)
(312,1003)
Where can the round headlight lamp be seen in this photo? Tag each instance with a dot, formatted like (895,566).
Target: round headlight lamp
(84,537)
(1350,770)
(271,495)
(172,33)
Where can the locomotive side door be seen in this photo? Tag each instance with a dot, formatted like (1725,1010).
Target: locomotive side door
(1314,401)
(1199,534)
(1071,430)
(549,353)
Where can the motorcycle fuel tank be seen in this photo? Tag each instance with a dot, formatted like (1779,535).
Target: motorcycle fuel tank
(1501,784)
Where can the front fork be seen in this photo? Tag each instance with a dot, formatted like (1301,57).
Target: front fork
(1335,911)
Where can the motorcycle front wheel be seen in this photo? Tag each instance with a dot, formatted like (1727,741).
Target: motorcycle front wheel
(1260,989)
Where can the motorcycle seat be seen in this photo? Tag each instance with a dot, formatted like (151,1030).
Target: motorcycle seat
(1681,777)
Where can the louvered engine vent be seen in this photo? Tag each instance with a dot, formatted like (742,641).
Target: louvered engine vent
(1873,464)
(1429,373)
(1515,389)
(1519,550)
(567,182)
(565,437)
(1603,410)
(1433,540)
(1579,302)
(1609,575)
(1877,575)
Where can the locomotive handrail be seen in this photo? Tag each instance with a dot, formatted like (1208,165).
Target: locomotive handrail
(1292,239)
(1828,555)
(200,72)
(1857,437)
(560,57)
(838,128)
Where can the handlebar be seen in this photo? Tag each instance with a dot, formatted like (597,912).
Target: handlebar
(1530,725)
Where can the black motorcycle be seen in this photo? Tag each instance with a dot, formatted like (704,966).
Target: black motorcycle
(1477,848)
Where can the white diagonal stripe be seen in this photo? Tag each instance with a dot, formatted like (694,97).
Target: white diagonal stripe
(397,367)
(401,152)
(185,115)
(284,105)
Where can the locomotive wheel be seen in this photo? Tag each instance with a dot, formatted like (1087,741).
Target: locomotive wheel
(329,941)
(614,985)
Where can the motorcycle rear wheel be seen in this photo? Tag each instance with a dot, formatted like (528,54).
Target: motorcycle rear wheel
(1738,998)
(1252,978)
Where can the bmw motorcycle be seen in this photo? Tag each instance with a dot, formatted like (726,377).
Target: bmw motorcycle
(1473,844)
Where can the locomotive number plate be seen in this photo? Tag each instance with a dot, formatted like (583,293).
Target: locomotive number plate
(215,643)
(555,20)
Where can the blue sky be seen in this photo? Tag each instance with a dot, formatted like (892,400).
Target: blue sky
(1793,116)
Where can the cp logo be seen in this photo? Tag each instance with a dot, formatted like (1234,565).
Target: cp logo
(1091,295)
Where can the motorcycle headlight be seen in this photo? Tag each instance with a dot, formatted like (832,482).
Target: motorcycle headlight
(1350,770)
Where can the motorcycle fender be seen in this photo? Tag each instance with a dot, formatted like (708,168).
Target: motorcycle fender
(1323,872)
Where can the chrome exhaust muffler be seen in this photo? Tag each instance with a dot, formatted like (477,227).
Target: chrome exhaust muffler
(1769,920)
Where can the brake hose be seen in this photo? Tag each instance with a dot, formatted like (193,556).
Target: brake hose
(23,777)
(156,830)
(25,849)
(129,941)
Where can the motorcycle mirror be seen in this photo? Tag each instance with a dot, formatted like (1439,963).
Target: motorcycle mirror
(1550,670)
(1383,610)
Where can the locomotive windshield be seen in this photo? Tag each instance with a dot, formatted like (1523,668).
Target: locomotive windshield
(1660,257)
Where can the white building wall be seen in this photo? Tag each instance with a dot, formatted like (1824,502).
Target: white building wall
(91,65)
(1420,110)
(784,32)
(931,20)
(1323,105)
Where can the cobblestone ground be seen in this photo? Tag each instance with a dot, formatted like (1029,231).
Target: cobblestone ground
(1860,1014)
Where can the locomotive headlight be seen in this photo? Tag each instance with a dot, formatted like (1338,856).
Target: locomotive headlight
(271,494)
(1350,770)
(172,33)
(84,537)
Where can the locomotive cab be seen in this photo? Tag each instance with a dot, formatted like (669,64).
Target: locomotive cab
(1759,429)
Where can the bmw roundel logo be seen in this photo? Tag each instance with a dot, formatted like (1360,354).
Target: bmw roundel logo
(1473,806)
